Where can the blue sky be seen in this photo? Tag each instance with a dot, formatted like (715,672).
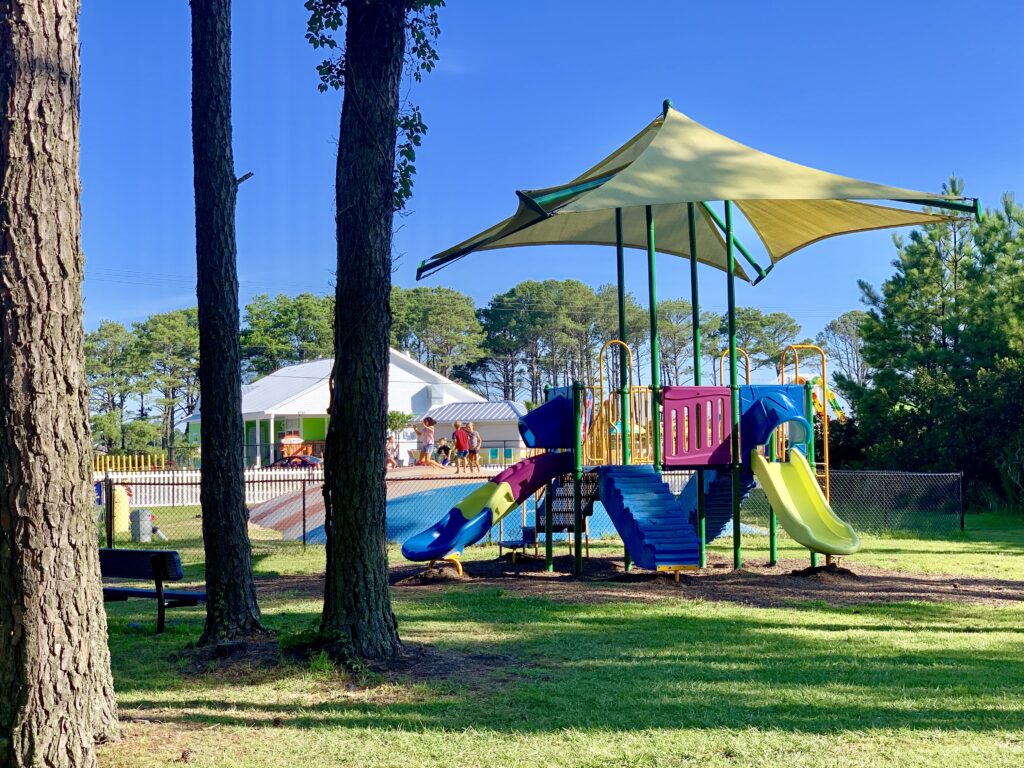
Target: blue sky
(528,94)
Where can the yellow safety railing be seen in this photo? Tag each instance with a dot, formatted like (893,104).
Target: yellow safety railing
(725,356)
(604,439)
(821,463)
(604,435)
(129,462)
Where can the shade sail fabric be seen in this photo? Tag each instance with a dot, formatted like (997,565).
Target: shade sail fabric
(672,234)
(686,162)
(785,226)
(674,161)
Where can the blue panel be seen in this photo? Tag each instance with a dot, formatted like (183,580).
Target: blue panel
(549,425)
(764,407)
(717,501)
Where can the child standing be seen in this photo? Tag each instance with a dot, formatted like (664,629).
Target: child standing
(390,453)
(461,439)
(475,442)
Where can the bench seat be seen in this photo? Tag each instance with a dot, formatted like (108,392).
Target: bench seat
(171,598)
(156,565)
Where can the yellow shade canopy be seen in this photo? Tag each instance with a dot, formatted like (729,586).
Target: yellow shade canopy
(529,227)
(675,161)
(785,226)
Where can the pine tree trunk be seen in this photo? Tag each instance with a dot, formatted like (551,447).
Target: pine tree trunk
(508,383)
(357,617)
(56,691)
(231,608)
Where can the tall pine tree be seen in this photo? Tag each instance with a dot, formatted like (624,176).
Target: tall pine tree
(56,690)
(231,608)
(371,182)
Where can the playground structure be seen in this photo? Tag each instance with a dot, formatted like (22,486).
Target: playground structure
(660,531)
(727,435)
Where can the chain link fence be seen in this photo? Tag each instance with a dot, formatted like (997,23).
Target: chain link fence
(161,509)
(927,504)
(918,502)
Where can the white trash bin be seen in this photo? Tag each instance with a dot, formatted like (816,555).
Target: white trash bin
(142,525)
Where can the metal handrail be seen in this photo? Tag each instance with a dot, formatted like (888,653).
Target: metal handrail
(725,355)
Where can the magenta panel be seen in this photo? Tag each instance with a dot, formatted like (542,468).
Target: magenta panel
(696,426)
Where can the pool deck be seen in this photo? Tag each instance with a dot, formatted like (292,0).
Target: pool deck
(432,473)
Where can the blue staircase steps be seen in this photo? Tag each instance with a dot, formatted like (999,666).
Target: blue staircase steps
(654,527)
(717,501)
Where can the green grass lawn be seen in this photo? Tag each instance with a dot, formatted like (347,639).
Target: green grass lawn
(672,682)
(991,546)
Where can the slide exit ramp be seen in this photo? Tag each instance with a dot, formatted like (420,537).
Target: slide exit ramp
(801,506)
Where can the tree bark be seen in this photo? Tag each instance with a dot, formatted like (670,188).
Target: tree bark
(56,691)
(357,616)
(231,607)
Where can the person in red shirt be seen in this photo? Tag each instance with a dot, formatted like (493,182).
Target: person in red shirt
(460,437)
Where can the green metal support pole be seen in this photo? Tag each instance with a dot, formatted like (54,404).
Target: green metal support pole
(625,424)
(577,474)
(762,272)
(734,390)
(624,419)
(551,199)
(549,555)
(973,207)
(691,216)
(655,342)
(809,413)
(773,522)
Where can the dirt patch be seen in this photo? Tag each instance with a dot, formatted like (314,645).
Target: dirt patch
(605,580)
(826,574)
(434,575)
(233,659)
(288,586)
(424,663)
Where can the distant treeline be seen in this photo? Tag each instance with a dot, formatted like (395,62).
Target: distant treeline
(144,377)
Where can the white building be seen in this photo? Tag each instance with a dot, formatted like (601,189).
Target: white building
(292,401)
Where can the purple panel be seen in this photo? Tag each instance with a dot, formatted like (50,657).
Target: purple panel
(530,474)
(696,426)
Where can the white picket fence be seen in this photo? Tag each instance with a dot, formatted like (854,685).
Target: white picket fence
(180,488)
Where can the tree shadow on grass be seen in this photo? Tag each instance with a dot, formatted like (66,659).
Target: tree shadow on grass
(658,666)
